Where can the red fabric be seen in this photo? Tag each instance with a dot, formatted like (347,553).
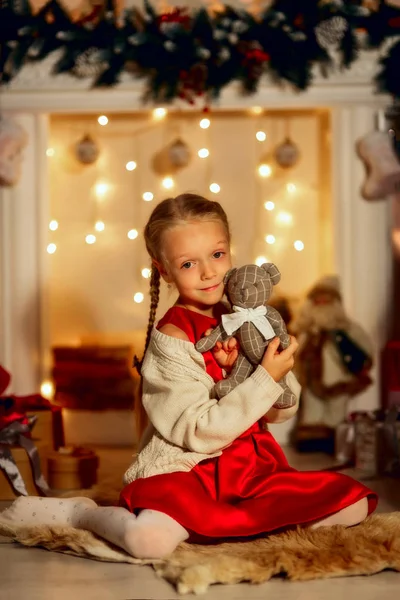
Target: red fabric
(250,489)
(195,325)
(5,379)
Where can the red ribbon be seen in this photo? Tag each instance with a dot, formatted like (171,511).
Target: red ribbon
(256,55)
(13,408)
(176,16)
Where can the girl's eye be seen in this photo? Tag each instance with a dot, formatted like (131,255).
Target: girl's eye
(219,254)
(186,265)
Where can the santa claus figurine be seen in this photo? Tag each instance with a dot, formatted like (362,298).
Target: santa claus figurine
(333,364)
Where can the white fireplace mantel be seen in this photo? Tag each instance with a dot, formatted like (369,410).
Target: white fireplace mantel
(362,248)
(37,90)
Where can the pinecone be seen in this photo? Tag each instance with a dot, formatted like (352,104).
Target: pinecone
(89,64)
(330,33)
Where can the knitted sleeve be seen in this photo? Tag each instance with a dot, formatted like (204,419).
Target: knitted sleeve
(181,408)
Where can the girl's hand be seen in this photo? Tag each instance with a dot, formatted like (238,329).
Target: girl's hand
(278,364)
(225,353)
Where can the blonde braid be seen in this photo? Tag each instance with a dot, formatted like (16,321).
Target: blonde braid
(141,417)
(154,298)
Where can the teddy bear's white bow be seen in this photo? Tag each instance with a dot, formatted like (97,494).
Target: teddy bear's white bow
(233,321)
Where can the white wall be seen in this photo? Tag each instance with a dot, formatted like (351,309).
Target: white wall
(92,286)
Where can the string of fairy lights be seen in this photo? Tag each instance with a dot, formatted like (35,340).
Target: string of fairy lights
(264,170)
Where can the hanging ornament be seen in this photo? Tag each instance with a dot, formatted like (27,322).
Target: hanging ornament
(13,140)
(173,157)
(179,154)
(286,154)
(86,150)
(330,33)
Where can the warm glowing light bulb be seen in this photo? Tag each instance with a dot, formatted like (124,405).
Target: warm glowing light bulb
(132,234)
(270,239)
(261,136)
(203,153)
(168,183)
(215,188)
(51,248)
(47,389)
(138,297)
(131,165)
(146,272)
(205,123)
(159,113)
(148,196)
(90,239)
(260,260)
(99,226)
(299,246)
(264,170)
(269,205)
(101,189)
(256,110)
(103,120)
(284,218)
(291,188)
(50,152)
(53,225)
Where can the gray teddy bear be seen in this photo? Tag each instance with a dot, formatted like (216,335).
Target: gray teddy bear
(254,324)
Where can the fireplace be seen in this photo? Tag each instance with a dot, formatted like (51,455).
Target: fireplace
(361,243)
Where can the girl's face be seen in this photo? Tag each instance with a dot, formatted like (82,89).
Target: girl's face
(197,256)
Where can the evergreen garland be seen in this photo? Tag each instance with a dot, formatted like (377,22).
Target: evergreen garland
(186,55)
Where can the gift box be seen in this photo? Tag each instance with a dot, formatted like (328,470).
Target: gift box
(22,462)
(72,468)
(377,442)
(20,453)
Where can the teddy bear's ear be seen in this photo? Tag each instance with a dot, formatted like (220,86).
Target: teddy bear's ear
(273,272)
(229,274)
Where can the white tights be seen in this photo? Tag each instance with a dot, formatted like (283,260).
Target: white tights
(151,534)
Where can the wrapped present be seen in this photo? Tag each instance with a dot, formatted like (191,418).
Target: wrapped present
(48,417)
(72,468)
(377,442)
(24,467)
(16,433)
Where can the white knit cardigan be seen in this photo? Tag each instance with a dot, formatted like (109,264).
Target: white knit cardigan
(187,423)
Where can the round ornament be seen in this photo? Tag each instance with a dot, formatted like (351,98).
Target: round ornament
(287,154)
(86,150)
(179,154)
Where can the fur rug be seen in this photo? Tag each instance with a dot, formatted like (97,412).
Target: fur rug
(298,554)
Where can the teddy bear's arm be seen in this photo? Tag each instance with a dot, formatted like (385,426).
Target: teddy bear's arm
(278,325)
(208,341)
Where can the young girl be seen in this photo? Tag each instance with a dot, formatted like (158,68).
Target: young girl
(207,470)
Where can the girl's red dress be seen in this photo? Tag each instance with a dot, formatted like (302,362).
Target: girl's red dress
(250,489)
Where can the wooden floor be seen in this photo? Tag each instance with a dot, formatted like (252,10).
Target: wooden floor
(35,574)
